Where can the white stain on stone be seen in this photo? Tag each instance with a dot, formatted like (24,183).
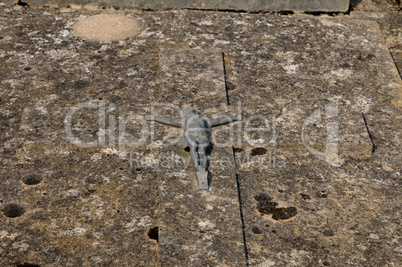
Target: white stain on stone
(267,263)
(341,74)
(362,104)
(145,221)
(96,157)
(288,59)
(72,193)
(74,232)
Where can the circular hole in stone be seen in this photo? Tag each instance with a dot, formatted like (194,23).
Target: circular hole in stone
(28,68)
(106,27)
(138,169)
(153,233)
(121,168)
(257,151)
(32,179)
(13,210)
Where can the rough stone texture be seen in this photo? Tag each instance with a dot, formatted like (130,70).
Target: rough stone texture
(191,77)
(283,66)
(387,13)
(199,227)
(87,205)
(303,5)
(196,227)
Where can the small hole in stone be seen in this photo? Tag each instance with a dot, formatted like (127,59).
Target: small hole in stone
(100,98)
(20,3)
(13,210)
(25,264)
(187,149)
(258,151)
(118,211)
(230,86)
(1,37)
(121,168)
(138,169)
(324,195)
(32,179)
(257,230)
(328,233)
(326,263)
(262,197)
(28,68)
(153,233)
(274,231)
(238,149)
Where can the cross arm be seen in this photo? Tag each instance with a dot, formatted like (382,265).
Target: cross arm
(168,121)
(225,120)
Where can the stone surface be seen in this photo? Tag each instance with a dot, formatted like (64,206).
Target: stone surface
(197,227)
(297,5)
(192,77)
(100,206)
(87,205)
(106,27)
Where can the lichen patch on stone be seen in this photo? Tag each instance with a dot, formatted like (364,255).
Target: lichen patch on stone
(106,27)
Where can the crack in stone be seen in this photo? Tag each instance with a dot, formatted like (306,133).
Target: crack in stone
(368,131)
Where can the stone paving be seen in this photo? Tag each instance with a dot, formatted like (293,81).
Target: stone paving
(310,177)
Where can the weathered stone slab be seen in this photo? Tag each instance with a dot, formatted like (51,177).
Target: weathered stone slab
(296,5)
(79,208)
(300,130)
(300,209)
(199,227)
(193,77)
(196,227)
(304,212)
(298,61)
(95,126)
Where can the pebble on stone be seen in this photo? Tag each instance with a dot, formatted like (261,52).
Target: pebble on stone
(257,230)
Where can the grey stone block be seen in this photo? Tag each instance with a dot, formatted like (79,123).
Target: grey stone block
(249,5)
